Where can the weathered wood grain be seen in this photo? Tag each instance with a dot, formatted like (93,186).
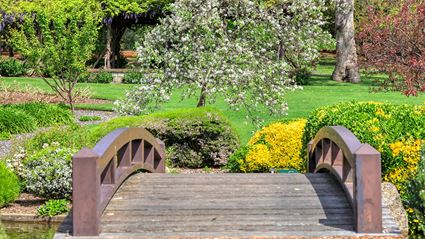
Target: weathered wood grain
(230,206)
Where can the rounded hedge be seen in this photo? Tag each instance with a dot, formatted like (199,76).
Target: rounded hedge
(13,121)
(277,146)
(9,185)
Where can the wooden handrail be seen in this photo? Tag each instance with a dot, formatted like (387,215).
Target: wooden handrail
(356,166)
(98,173)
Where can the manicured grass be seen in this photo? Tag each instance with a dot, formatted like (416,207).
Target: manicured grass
(320,91)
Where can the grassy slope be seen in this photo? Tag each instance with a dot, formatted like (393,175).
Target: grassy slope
(321,91)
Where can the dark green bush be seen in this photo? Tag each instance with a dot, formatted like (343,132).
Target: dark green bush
(13,121)
(101,77)
(132,77)
(194,138)
(45,114)
(53,208)
(9,185)
(11,67)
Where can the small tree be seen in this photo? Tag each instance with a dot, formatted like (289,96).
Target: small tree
(239,50)
(57,38)
(395,44)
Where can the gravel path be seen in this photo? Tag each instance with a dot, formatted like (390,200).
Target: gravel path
(5,145)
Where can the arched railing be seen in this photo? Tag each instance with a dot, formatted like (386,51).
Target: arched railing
(97,173)
(357,167)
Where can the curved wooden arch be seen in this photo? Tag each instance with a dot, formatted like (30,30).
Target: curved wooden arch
(356,166)
(98,173)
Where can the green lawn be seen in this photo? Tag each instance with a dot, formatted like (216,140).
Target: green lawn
(320,91)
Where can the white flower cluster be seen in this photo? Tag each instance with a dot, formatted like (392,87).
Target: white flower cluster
(236,49)
(46,173)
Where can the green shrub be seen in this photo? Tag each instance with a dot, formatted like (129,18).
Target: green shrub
(277,146)
(101,77)
(89,118)
(47,173)
(53,208)
(13,121)
(195,138)
(45,114)
(132,77)
(73,136)
(9,185)
(11,67)
(415,201)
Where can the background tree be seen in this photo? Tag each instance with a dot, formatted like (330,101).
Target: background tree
(395,44)
(57,38)
(121,15)
(346,68)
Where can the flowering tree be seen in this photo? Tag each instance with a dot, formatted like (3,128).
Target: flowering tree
(240,50)
(395,44)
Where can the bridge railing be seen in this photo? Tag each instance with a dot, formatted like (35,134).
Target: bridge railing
(357,167)
(97,173)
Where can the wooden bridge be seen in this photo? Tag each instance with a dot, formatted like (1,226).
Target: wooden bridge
(340,197)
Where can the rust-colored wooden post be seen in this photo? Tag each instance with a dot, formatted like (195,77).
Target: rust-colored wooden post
(367,193)
(85,193)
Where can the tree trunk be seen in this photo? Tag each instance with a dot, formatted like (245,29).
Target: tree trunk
(202,97)
(116,46)
(11,54)
(346,68)
(108,52)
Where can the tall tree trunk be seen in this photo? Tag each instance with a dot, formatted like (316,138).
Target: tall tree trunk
(108,52)
(346,68)
(116,46)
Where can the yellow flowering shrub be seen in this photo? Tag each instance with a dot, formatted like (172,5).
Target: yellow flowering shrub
(277,145)
(396,131)
(409,153)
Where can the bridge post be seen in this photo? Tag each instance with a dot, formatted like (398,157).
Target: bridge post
(367,194)
(85,193)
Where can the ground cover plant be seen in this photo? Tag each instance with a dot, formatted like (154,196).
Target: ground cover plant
(89,118)
(53,208)
(25,118)
(11,67)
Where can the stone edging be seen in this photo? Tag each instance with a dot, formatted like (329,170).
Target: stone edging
(29,218)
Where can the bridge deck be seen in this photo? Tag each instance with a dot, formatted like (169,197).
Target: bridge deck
(231,206)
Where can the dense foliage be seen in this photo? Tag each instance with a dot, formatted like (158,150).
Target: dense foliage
(48,173)
(415,202)
(9,186)
(395,44)
(132,77)
(24,118)
(276,146)
(14,121)
(194,138)
(11,67)
(53,207)
(103,77)
(228,48)
(44,114)
(396,131)
(57,39)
